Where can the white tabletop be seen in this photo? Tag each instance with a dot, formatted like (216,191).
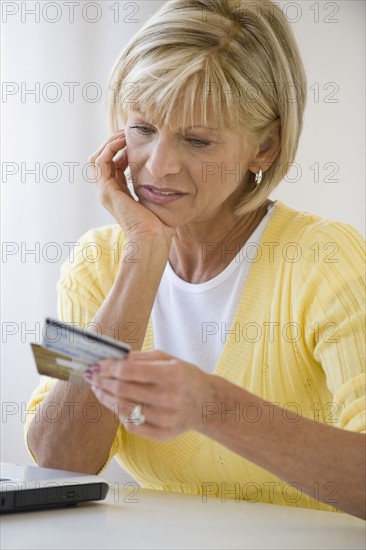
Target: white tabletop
(154,519)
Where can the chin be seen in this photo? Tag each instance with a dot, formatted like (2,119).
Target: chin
(169,218)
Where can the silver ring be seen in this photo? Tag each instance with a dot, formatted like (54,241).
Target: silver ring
(137,416)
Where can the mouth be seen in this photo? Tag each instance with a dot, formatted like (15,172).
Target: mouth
(162,195)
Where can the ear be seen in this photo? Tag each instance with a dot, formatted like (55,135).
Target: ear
(266,151)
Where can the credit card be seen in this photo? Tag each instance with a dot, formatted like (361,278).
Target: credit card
(81,345)
(67,351)
(56,365)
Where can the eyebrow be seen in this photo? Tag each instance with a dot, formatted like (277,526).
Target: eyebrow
(143,115)
(203,127)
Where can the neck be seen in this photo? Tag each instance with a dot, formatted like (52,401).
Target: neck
(202,250)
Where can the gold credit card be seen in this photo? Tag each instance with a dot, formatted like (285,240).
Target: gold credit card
(55,364)
(67,351)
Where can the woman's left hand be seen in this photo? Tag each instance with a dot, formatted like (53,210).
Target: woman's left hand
(170,391)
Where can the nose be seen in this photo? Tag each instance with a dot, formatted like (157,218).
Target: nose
(164,157)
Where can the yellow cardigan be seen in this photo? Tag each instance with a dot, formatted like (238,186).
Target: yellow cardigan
(297,340)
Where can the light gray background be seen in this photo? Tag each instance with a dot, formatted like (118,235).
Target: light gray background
(331,36)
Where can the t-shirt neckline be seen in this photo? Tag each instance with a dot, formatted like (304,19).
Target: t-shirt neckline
(229,269)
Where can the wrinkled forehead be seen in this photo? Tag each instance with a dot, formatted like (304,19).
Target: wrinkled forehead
(195,107)
(177,121)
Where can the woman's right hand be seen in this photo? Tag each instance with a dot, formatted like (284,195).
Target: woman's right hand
(136,220)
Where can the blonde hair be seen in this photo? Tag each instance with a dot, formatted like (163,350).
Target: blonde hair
(237,59)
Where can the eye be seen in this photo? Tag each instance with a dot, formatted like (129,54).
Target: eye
(147,131)
(198,142)
(144,130)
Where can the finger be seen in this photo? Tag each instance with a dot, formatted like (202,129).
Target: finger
(150,354)
(111,150)
(130,391)
(154,416)
(125,409)
(94,156)
(131,370)
(106,399)
(121,165)
(105,159)
(113,137)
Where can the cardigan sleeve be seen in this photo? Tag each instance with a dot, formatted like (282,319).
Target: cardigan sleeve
(331,304)
(81,290)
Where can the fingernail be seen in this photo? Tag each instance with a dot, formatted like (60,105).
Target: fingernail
(94,368)
(91,371)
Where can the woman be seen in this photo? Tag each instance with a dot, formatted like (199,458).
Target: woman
(246,378)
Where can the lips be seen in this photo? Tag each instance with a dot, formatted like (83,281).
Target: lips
(161,195)
(163,190)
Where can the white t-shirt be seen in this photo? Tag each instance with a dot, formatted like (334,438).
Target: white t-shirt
(191,321)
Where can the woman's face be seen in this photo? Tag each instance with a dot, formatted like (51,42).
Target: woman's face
(189,175)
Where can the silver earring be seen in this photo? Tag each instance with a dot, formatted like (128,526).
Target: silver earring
(258,177)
